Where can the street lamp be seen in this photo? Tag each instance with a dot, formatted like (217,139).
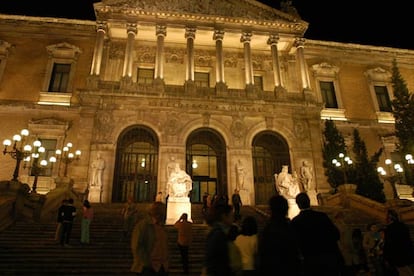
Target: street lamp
(19,151)
(394,173)
(32,162)
(66,156)
(342,162)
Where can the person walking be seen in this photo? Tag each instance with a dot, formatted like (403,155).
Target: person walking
(318,239)
(68,215)
(128,213)
(237,203)
(87,217)
(246,242)
(398,247)
(185,237)
(217,257)
(149,243)
(278,250)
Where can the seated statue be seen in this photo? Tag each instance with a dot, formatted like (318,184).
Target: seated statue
(286,184)
(179,183)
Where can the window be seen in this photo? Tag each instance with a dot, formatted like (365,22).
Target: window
(328,94)
(60,78)
(145,75)
(380,88)
(202,79)
(383,98)
(258,82)
(60,71)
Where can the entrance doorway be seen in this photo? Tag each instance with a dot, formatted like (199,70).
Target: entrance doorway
(136,165)
(206,163)
(270,153)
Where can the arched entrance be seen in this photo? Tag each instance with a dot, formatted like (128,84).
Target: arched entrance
(270,152)
(136,165)
(206,163)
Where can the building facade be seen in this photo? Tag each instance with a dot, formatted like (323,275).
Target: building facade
(229,91)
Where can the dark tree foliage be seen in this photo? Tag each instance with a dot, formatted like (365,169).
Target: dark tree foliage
(334,143)
(366,176)
(403,111)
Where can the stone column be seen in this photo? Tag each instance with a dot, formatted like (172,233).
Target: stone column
(218,37)
(299,44)
(97,54)
(161,32)
(190,36)
(272,41)
(132,32)
(248,66)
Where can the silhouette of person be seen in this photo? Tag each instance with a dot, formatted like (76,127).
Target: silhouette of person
(318,239)
(237,203)
(246,242)
(278,250)
(87,217)
(98,166)
(68,215)
(398,246)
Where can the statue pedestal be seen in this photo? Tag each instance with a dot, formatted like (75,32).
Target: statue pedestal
(176,206)
(95,194)
(293,208)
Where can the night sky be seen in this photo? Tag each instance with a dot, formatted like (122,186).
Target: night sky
(368,22)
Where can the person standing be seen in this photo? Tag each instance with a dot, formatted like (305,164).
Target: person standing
(60,220)
(278,250)
(237,203)
(185,237)
(398,247)
(318,239)
(68,215)
(87,217)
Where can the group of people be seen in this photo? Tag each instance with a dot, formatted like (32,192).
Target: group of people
(65,217)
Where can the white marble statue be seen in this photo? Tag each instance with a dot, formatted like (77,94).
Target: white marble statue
(306,176)
(179,183)
(286,184)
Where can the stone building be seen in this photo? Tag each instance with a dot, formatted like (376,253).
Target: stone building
(230,90)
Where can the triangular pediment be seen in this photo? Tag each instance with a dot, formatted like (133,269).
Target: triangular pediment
(246,9)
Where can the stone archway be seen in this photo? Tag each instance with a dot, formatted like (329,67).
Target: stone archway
(136,165)
(270,152)
(206,163)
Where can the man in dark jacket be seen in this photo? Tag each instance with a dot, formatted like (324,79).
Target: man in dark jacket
(318,240)
(68,213)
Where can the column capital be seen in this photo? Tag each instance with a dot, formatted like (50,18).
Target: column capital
(273,39)
(246,37)
(190,32)
(161,30)
(218,35)
(300,42)
(132,28)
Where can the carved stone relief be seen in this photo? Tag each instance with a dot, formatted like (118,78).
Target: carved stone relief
(104,123)
(238,128)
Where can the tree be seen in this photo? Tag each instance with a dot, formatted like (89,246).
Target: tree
(334,143)
(403,111)
(366,176)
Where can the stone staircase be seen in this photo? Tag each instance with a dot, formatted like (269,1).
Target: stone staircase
(29,248)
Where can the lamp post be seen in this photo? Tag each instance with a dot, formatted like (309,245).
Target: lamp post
(36,167)
(393,173)
(19,151)
(342,162)
(66,156)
